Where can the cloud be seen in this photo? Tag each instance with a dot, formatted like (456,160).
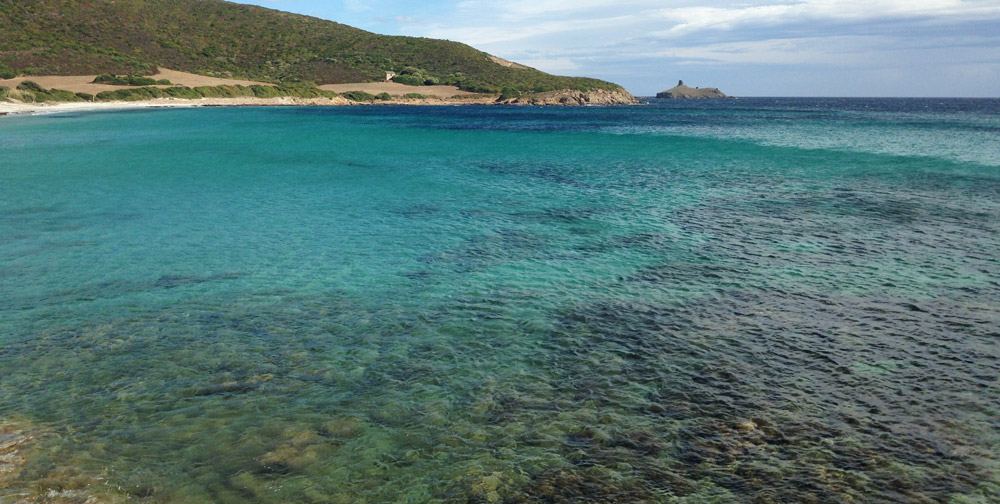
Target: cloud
(395,19)
(690,19)
(489,22)
(356,5)
(835,32)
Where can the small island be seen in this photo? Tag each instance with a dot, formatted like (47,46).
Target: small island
(684,92)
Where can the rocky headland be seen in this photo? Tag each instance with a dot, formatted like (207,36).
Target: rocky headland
(680,91)
(618,96)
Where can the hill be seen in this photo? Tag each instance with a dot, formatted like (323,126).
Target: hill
(223,39)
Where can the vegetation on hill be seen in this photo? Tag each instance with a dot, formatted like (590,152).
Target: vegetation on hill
(217,38)
(31,92)
(129,80)
(359,96)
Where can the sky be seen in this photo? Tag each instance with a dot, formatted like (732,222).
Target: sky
(926,48)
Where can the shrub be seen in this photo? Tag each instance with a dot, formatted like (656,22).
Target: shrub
(225,92)
(305,90)
(4,91)
(509,93)
(30,86)
(299,90)
(472,96)
(129,80)
(141,81)
(359,96)
(210,91)
(147,93)
(414,96)
(29,91)
(7,74)
(85,96)
(22,96)
(408,80)
(239,91)
(182,92)
(132,94)
(383,96)
(58,95)
(265,91)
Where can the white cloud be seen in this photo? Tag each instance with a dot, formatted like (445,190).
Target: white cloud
(554,65)
(688,19)
(356,5)
(482,35)
(489,22)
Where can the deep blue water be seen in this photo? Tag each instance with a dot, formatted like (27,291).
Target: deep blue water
(752,300)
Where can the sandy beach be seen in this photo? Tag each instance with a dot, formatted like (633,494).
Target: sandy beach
(432,95)
(7,108)
(10,108)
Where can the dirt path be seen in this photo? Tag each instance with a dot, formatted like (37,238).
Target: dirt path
(395,88)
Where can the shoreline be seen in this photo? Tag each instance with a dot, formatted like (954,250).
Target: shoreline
(400,94)
(10,109)
(335,95)
(16,109)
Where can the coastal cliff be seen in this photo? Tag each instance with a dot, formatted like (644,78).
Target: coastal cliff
(617,96)
(680,91)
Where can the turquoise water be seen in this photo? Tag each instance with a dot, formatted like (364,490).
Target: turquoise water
(765,300)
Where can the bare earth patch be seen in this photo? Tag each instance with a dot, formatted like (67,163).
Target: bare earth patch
(395,88)
(84,83)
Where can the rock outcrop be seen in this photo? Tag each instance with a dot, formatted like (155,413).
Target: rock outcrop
(682,91)
(617,96)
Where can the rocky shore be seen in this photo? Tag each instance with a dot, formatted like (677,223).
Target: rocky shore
(571,97)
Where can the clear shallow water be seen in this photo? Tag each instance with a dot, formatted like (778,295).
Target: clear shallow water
(765,300)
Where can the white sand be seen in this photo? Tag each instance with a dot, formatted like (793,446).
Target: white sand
(55,108)
(7,108)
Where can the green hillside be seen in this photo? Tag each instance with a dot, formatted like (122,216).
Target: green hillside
(213,37)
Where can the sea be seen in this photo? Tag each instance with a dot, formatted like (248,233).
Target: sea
(759,300)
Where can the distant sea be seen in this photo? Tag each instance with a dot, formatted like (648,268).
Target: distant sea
(737,301)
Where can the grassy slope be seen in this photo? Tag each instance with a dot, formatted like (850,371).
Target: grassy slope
(213,37)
